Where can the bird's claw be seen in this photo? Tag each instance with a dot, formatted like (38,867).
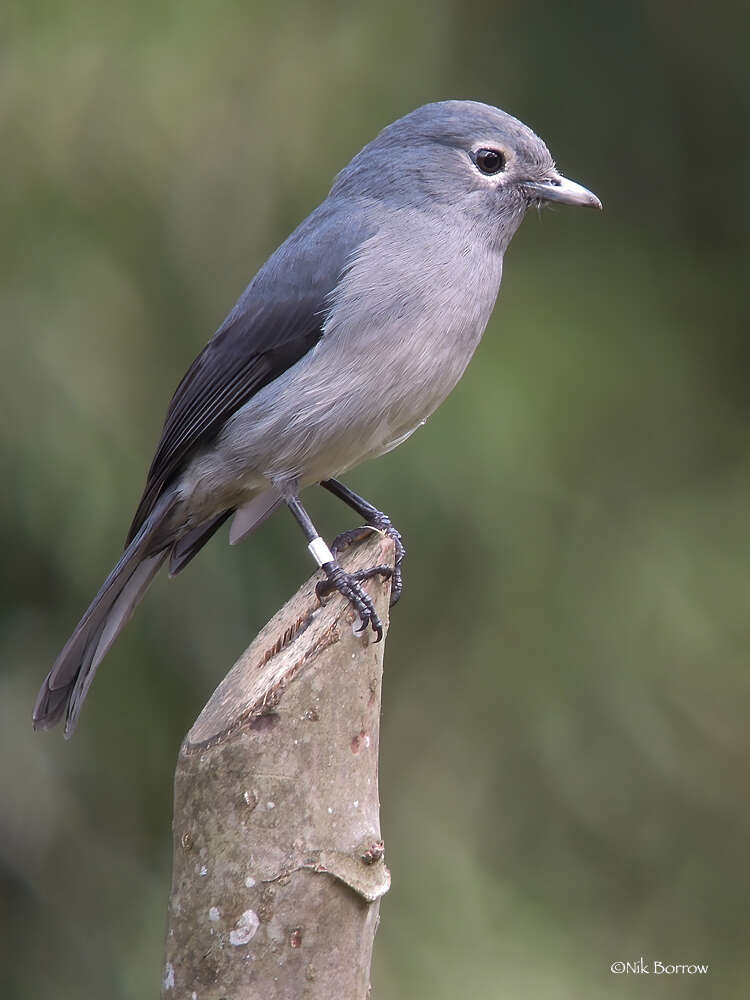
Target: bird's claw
(350,586)
(379,522)
(351,537)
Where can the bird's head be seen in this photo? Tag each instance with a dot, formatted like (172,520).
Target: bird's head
(465,156)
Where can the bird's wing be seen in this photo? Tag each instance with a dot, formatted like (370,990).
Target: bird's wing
(277,320)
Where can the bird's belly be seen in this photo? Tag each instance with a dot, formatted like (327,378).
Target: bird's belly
(341,453)
(313,424)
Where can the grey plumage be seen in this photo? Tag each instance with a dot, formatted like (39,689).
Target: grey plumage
(68,682)
(347,339)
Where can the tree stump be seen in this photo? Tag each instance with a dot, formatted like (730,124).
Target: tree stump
(278,861)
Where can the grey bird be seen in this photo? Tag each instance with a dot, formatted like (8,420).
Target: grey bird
(351,334)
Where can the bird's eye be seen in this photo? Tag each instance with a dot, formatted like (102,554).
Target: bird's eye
(490,161)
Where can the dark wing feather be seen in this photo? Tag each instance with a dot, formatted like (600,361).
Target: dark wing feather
(278,319)
(219,382)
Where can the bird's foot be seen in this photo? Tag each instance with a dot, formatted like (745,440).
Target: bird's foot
(350,586)
(378,522)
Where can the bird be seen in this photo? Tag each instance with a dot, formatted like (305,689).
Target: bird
(346,340)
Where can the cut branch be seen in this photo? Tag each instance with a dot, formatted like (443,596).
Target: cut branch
(278,863)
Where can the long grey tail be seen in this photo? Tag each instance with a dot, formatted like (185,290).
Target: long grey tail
(69,680)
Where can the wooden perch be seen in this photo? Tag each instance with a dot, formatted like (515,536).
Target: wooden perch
(278,863)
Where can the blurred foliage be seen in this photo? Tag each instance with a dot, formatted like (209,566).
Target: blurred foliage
(565,743)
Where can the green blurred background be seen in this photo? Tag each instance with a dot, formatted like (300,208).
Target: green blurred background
(565,743)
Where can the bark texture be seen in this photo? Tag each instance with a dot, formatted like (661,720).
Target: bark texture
(278,863)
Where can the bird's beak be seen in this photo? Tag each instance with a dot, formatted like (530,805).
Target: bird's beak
(559,188)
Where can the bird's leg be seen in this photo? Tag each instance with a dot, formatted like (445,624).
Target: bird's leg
(376,519)
(348,584)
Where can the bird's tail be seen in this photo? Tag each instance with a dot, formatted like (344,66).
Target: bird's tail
(68,682)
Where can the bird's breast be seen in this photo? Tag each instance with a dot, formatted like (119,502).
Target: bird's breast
(410,310)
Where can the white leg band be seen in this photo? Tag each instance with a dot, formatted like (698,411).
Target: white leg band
(320,551)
